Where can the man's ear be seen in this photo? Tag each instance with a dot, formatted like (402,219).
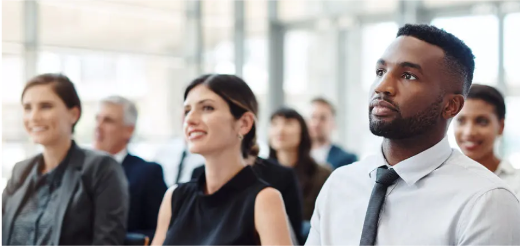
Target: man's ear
(129,131)
(453,106)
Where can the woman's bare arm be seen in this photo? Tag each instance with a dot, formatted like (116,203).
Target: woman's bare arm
(165,215)
(271,219)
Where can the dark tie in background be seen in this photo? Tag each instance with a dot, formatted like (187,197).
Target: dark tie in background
(385,177)
(180,167)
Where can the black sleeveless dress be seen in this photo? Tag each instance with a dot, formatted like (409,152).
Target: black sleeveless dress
(225,217)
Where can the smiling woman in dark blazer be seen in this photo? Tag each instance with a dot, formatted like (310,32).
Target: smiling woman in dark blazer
(66,195)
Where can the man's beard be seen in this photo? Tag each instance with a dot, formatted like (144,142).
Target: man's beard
(401,128)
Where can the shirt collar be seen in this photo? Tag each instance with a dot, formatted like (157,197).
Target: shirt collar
(418,166)
(121,155)
(505,168)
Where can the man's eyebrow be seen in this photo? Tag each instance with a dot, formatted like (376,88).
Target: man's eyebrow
(410,65)
(402,64)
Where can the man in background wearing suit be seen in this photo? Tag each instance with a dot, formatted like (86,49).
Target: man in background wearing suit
(115,124)
(321,125)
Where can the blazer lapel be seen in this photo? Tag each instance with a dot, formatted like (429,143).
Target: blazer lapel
(16,201)
(70,181)
(332,155)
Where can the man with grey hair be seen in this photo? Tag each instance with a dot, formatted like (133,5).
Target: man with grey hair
(115,124)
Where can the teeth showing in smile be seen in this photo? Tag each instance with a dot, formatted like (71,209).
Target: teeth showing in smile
(470,144)
(196,134)
(38,129)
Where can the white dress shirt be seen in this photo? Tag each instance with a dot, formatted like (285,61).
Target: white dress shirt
(510,175)
(320,154)
(120,157)
(441,198)
(169,157)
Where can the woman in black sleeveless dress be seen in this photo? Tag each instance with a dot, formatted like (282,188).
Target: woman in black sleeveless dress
(228,204)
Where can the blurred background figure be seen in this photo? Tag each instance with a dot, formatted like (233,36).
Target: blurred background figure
(290,144)
(116,120)
(479,128)
(321,126)
(66,195)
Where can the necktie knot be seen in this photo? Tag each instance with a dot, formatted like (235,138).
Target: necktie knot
(386,176)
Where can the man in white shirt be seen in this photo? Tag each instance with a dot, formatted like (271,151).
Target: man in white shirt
(115,124)
(417,190)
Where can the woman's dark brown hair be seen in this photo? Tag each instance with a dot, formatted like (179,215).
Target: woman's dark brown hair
(305,165)
(240,99)
(490,95)
(62,86)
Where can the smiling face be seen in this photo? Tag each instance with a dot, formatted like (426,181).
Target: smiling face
(477,127)
(46,118)
(209,126)
(408,95)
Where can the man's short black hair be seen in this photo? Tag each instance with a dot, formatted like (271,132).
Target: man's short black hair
(326,102)
(489,95)
(458,56)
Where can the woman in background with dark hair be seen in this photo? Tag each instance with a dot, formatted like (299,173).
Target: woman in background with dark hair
(66,195)
(228,204)
(478,127)
(290,144)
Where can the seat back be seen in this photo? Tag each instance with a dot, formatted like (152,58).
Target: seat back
(136,239)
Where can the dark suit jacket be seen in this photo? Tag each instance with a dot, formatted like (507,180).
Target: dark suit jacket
(338,157)
(93,199)
(284,180)
(147,188)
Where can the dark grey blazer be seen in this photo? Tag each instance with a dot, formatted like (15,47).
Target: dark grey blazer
(93,195)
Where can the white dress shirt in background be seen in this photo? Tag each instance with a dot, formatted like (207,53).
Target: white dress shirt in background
(320,154)
(510,175)
(441,198)
(120,157)
(169,157)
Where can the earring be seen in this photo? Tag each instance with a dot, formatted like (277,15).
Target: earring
(240,136)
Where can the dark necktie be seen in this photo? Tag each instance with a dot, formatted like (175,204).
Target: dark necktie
(181,166)
(385,177)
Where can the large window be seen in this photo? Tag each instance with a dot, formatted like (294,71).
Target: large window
(511,143)
(375,39)
(131,48)
(218,26)
(512,48)
(12,77)
(12,21)
(511,139)
(480,33)
(310,67)
(154,27)
(439,3)
(294,10)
